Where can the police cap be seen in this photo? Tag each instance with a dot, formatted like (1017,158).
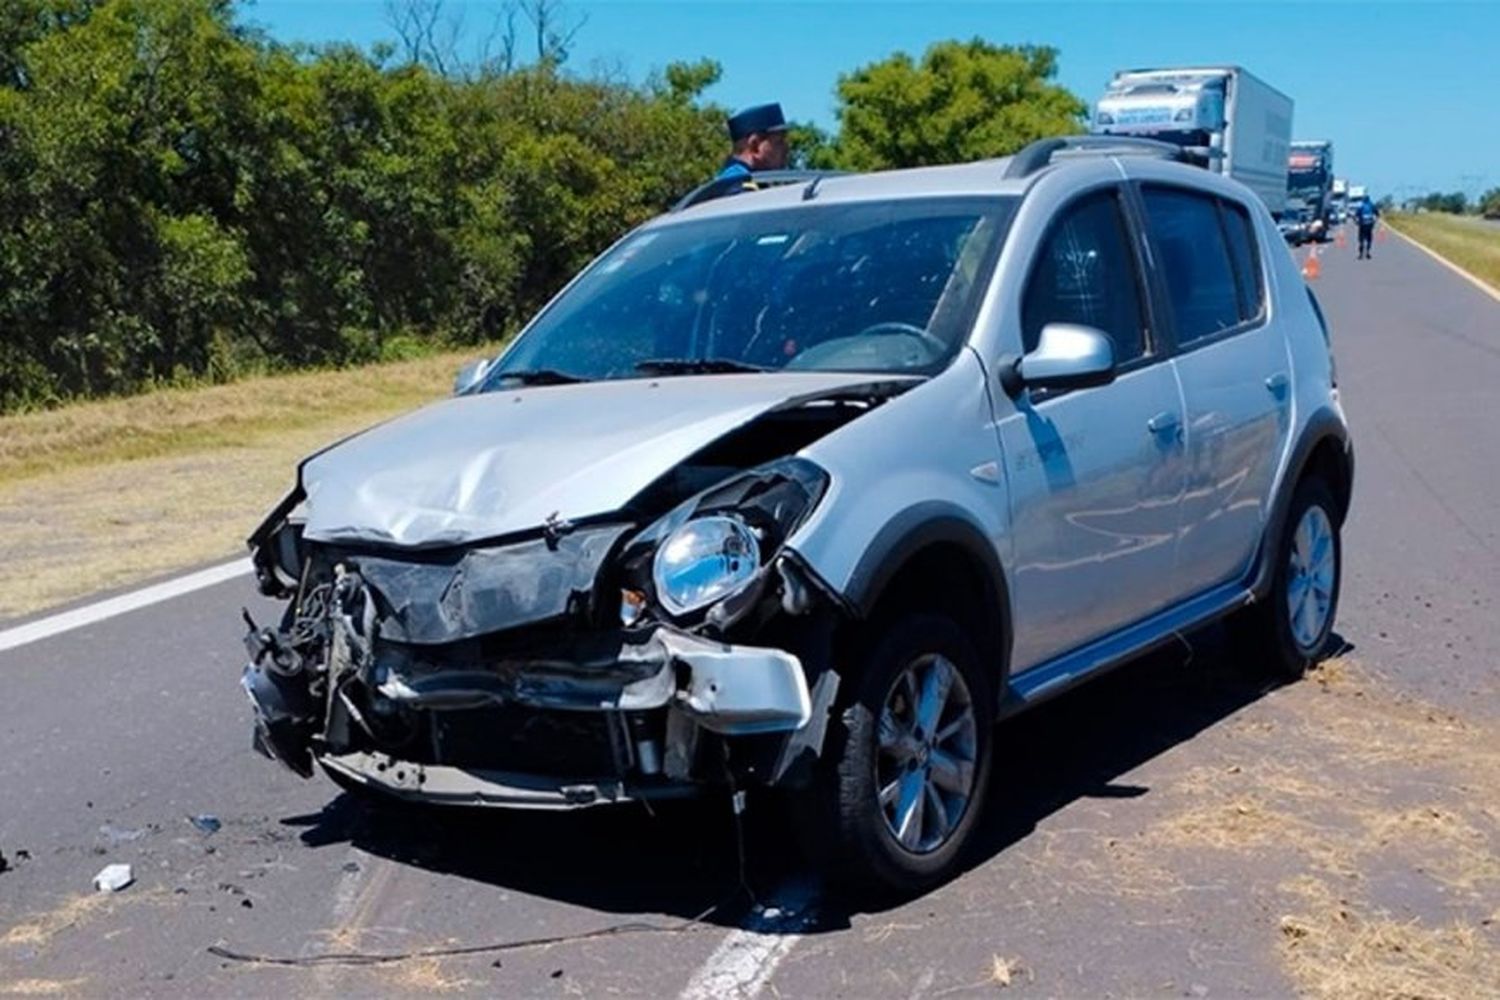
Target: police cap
(760,118)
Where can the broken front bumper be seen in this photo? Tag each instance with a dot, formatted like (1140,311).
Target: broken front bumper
(728,689)
(659,705)
(446,785)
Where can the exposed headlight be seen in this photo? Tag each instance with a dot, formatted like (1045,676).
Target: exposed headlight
(716,546)
(703,561)
(1183,115)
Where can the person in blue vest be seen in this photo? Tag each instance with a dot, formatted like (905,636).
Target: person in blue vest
(759,137)
(1364,216)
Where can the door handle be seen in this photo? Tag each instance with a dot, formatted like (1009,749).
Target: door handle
(1165,423)
(1278,383)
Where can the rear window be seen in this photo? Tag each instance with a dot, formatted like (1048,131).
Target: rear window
(1195,259)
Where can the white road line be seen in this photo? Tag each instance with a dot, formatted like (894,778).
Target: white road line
(1477,282)
(745,960)
(45,628)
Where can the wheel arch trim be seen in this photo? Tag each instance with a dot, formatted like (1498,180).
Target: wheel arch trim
(1323,428)
(915,530)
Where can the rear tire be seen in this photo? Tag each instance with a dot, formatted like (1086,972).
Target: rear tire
(902,781)
(1287,632)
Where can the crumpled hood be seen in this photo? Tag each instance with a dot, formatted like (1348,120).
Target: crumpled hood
(479,466)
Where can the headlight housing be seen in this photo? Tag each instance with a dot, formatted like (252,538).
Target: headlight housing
(704,560)
(717,545)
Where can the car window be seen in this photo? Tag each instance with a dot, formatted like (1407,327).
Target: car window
(1194,259)
(877,286)
(1085,273)
(1246,266)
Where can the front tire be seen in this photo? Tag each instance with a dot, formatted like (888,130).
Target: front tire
(1289,631)
(905,782)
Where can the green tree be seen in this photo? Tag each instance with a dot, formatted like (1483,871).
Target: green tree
(963,101)
(1489,203)
(1455,202)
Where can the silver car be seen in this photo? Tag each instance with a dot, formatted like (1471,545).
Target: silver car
(806,489)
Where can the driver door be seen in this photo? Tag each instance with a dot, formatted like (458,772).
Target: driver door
(1095,475)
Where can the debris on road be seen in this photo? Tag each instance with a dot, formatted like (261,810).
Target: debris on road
(4,865)
(117,835)
(207,823)
(113,878)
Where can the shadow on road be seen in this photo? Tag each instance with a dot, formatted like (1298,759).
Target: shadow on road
(681,859)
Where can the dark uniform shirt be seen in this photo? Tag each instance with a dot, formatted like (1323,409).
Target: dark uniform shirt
(734,168)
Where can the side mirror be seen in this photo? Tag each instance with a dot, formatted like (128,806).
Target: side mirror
(471,374)
(1068,356)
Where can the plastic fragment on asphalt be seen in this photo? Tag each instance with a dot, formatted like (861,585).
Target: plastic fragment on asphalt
(206,823)
(113,878)
(121,835)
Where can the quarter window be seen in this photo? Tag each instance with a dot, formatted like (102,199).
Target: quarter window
(1194,258)
(1242,249)
(1086,274)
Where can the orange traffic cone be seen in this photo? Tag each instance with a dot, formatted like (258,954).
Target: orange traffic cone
(1340,240)
(1311,267)
(1380,236)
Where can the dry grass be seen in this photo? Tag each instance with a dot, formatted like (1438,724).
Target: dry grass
(1336,948)
(1471,243)
(41,929)
(185,421)
(108,493)
(425,976)
(43,987)
(1358,784)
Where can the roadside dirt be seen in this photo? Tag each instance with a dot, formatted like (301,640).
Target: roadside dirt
(1377,818)
(84,530)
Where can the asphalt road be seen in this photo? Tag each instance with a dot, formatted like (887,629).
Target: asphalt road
(1088,880)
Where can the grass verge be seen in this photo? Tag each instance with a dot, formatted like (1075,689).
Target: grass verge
(107,493)
(1473,244)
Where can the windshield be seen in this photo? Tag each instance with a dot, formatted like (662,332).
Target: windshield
(887,287)
(1306,173)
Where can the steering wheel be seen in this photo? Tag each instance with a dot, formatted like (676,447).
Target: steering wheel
(896,328)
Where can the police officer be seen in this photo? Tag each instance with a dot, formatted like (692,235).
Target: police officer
(759,137)
(1364,217)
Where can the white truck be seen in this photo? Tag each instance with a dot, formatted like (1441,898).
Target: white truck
(1238,124)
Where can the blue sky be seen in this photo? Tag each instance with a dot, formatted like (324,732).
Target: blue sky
(1409,92)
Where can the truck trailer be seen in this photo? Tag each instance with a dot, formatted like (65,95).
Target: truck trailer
(1234,122)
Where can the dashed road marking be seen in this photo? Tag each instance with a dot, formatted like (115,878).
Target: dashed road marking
(745,960)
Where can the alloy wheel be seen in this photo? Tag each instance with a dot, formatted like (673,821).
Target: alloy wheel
(925,760)
(1311,574)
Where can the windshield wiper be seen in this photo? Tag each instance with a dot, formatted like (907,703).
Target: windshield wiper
(696,366)
(535,376)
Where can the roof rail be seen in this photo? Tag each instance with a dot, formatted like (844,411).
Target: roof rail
(1040,153)
(720,186)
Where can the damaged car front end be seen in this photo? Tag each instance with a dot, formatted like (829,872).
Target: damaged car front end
(634,654)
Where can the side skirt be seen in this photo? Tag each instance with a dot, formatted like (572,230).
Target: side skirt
(1034,686)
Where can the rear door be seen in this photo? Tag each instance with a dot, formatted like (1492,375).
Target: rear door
(1235,373)
(1094,475)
